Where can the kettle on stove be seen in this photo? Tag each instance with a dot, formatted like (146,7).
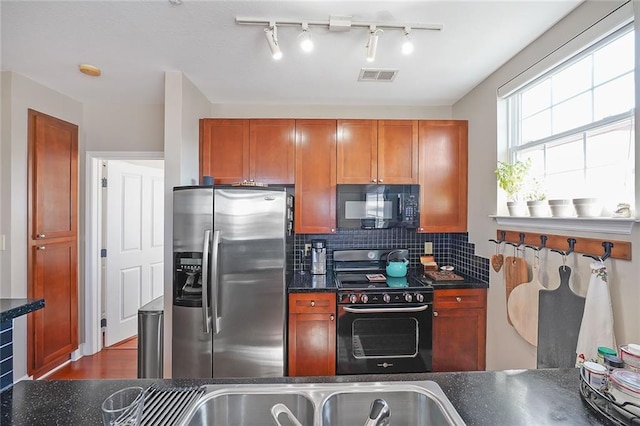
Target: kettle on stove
(396,268)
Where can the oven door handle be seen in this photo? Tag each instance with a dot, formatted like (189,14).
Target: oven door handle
(384,310)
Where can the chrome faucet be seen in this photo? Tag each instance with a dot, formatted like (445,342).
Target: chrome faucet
(378,414)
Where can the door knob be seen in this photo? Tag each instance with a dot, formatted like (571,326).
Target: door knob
(41,235)
(313,303)
(373,180)
(40,248)
(435,314)
(332,317)
(458,299)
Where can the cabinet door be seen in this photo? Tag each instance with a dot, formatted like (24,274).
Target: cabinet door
(357,151)
(312,334)
(398,151)
(55,328)
(315,193)
(272,151)
(459,330)
(443,176)
(224,150)
(54,177)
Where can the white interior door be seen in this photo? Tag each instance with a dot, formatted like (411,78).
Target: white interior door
(134,242)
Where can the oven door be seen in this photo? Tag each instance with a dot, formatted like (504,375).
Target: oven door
(384,339)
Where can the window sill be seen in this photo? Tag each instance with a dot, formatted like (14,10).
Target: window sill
(604,225)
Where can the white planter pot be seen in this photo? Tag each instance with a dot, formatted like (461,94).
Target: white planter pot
(562,208)
(587,207)
(517,208)
(538,208)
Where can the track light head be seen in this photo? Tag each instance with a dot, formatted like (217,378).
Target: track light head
(372,43)
(306,44)
(407,44)
(271,34)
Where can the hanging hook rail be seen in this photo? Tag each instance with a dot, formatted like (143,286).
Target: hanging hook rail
(519,243)
(502,238)
(543,244)
(607,252)
(572,244)
(618,249)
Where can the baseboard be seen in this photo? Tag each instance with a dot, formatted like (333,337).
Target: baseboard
(48,373)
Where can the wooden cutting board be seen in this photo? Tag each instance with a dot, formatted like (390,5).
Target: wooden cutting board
(522,307)
(515,273)
(559,318)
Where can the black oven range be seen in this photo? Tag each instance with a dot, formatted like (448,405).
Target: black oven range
(384,323)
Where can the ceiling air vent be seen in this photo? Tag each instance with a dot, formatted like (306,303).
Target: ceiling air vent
(368,74)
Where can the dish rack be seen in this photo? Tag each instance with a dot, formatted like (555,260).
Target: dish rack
(604,403)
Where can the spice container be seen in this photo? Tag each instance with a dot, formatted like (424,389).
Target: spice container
(602,351)
(613,363)
(594,373)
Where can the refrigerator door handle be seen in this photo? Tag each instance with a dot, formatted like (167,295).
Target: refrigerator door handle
(205,281)
(214,281)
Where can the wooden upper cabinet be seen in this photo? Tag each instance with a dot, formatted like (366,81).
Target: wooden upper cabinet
(397,151)
(315,192)
(357,156)
(384,152)
(443,159)
(272,148)
(54,185)
(224,150)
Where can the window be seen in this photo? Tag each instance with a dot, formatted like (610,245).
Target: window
(576,123)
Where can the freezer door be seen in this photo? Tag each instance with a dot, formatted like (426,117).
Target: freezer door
(192,216)
(250,335)
(191,346)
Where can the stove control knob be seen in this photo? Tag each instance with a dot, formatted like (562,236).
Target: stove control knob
(364,298)
(419,297)
(386,298)
(408,297)
(353,298)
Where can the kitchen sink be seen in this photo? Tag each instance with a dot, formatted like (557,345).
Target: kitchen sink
(322,404)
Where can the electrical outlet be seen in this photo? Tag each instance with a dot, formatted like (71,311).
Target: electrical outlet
(428,247)
(307,249)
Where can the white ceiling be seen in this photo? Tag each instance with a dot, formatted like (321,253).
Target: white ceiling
(136,42)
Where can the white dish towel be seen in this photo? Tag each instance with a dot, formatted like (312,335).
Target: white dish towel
(597,320)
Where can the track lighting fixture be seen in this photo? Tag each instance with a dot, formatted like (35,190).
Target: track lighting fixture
(372,43)
(407,44)
(271,34)
(336,24)
(306,44)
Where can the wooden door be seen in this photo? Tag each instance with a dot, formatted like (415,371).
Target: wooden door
(52,333)
(459,330)
(312,334)
(357,158)
(443,156)
(272,151)
(224,150)
(315,193)
(397,151)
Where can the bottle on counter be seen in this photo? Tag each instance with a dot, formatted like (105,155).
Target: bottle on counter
(602,351)
(613,363)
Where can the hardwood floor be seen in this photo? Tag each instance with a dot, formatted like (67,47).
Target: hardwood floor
(119,361)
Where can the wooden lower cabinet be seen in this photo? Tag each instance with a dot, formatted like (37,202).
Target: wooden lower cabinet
(459,329)
(312,334)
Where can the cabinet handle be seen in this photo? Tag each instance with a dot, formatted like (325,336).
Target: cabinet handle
(333,230)
(374,180)
(435,314)
(458,299)
(332,317)
(40,235)
(313,303)
(380,181)
(40,248)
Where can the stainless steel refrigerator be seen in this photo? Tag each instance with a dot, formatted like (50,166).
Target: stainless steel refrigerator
(232,254)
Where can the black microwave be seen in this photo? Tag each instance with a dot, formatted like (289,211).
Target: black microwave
(378,206)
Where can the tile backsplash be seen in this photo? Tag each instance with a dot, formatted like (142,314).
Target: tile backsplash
(448,248)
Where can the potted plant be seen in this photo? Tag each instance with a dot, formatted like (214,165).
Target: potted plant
(537,199)
(511,178)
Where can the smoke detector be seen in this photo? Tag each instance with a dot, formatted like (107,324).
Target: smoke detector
(370,74)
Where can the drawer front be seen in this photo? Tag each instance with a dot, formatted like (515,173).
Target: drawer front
(312,303)
(460,298)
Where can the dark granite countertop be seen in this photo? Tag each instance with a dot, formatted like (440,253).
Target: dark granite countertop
(514,397)
(13,308)
(305,282)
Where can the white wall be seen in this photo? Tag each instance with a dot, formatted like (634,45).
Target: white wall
(505,348)
(330,111)
(21,94)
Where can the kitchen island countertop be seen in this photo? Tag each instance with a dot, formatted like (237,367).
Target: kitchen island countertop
(512,397)
(13,308)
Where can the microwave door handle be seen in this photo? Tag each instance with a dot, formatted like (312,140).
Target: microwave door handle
(384,310)
(205,281)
